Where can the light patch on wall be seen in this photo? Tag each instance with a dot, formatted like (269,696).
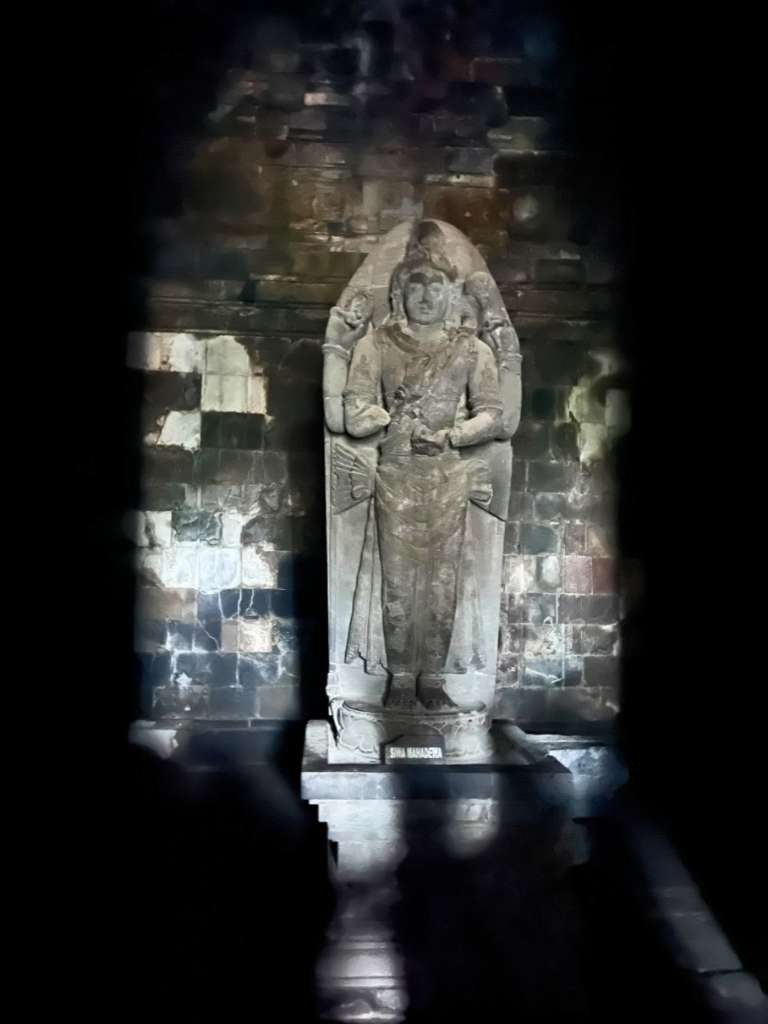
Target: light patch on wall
(149,565)
(230,393)
(180,567)
(257,570)
(231,527)
(149,529)
(229,636)
(219,569)
(519,573)
(593,442)
(257,394)
(248,636)
(162,350)
(255,636)
(179,430)
(225,356)
(600,412)
(223,393)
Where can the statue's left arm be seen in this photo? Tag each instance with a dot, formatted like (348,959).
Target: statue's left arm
(484,402)
(510,385)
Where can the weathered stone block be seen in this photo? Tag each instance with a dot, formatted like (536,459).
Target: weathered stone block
(150,529)
(519,574)
(536,540)
(162,392)
(254,604)
(550,476)
(573,704)
(220,568)
(601,541)
(543,641)
(546,404)
(563,362)
(574,538)
(235,466)
(149,636)
(180,636)
(602,672)
(255,635)
(511,611)
(284,603)
(573,671)
(272,532)
(469,160)
(605,574)
(232,701)
(256,670)
(180,700)
(548,573)
(522,703)
(226,356)
(180,568)
(565,442)
(158,497)
(559,273)
(160,603)
(531,440)
(577,574)
(512,538)
(191,525)
(207,636)
(542,672)
(596,609)
(282,702)
(168,351)
(208,606)
(520,505)
(232,522)
(178,430)
(232,430)
(224,394)
(539,609)
(259,570)
(593,639)
(519,481)
(550,507)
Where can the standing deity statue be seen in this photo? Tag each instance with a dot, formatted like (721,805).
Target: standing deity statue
(422,394)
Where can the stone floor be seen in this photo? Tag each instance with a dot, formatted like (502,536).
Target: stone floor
(229,899)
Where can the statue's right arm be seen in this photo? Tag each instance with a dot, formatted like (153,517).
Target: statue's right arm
(363,412)
(334,380)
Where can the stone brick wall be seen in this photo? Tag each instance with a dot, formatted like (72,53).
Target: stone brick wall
(322,138)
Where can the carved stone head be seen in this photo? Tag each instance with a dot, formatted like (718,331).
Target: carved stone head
(424,286)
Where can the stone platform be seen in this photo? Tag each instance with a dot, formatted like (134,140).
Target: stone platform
(378,816)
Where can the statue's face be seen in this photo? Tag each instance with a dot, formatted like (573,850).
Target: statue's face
(426,296)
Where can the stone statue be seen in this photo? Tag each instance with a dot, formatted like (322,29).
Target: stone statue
(422,393)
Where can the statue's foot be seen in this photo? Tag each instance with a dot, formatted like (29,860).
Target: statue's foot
(433,697)
(401,694)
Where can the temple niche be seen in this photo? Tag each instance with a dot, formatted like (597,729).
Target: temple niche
(422,395)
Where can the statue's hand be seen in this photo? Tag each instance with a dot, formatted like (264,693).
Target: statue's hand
(344,329)
(379,416)
(427,442)
(502,337)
